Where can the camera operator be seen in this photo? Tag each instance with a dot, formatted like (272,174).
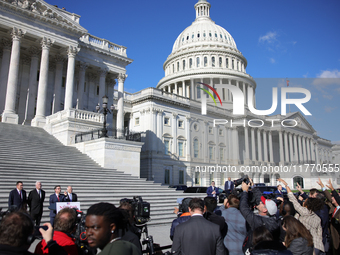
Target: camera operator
(266,217)
(183,217)
(129,234)
(64,227)
(103,222)
(16,235)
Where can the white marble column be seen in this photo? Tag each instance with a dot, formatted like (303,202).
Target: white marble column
(265,148)
(316,153)
(308,150)
(291,147)
(188,137)
(71,63)
(174,133)
(246,143)
(296,155)
(236,146)
(192,92)
(82,70)
(32,84)
(5,61)
(39,119)
(102,76)
(160,131)
(183,89)
(303,140)
(282,160)
(253,151)
(286,146)
(300,150)
(227,141)
(312,150)
(271,157)
(120,104)
(175,89)
(58,80)
(9,115)
(259,146)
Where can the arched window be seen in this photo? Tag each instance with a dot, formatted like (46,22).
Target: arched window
(205,61)
(220,62)
(198,61)
(213,61)
(190,62)
(177,66)
(196,151)
(183,64)
(266,178)
(226,63)
(298,179)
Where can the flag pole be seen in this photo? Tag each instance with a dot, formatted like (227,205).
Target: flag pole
(287,81)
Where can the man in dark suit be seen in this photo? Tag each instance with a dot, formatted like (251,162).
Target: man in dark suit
(36,199)
(17,198)
(55,198)
(70,197)
(197,236)
(212,191)
(228,186)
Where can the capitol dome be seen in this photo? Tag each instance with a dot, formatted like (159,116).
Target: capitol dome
(203,29)
(205,53)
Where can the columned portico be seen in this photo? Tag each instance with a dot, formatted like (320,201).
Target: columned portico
(39,119)
(9,115)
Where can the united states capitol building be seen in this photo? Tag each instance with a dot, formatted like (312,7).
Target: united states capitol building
(53,73)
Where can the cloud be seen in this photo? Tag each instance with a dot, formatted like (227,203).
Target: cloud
(329,109)
(272,60)
(329,97)
(305,75)
(269,37)
(329,74)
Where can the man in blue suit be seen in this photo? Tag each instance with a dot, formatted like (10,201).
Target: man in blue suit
(55,198)
(228,186)
(212,191)
(17,198)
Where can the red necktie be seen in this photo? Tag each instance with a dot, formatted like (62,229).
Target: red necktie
(58,198)
(334,212)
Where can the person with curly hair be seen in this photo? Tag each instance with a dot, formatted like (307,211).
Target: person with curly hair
(298,239)
(306,215)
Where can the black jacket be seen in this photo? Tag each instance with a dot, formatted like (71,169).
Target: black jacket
(299,247)
(270,248)
(219,220)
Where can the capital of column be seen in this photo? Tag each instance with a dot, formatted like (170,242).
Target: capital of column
(174,115)
(122,77)
(34,51)
(154,110)
(59,58)
(6,44)
(83,66)
(92,77)
(17,34)
(46,43)
(102,72)
(72,51)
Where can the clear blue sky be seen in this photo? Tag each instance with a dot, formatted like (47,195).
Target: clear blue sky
(293,39)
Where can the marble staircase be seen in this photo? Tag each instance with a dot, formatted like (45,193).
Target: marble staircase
(30,154)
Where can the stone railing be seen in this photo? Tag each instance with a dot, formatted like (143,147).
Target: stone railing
(75,114)
(103,44)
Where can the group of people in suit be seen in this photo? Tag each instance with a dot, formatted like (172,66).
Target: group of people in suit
(18,200)
(213,191)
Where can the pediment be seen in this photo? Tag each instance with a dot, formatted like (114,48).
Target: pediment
(49,13)
(302,123)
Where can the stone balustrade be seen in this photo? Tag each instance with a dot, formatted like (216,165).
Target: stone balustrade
(103,44)
(75,114)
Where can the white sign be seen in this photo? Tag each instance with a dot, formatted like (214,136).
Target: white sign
(62,205)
